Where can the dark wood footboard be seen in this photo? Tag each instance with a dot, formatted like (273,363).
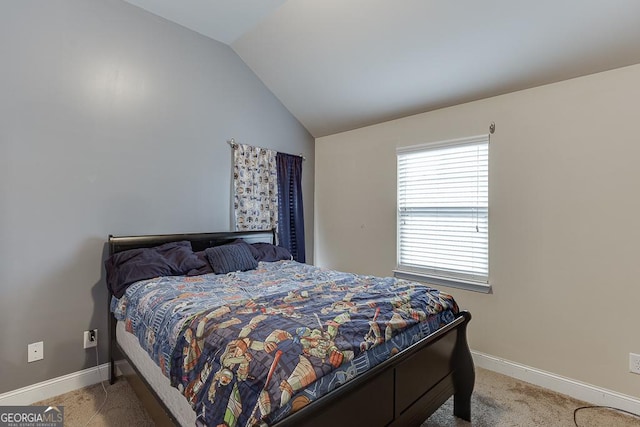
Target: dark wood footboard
(464,375)
(404,390)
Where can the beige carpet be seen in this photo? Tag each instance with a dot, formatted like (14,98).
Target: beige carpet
(122,407)
(501,401)
(498,401)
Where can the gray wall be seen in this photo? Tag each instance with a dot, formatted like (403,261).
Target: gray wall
(112,121)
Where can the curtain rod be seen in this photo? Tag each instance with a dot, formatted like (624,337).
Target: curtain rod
(232,142)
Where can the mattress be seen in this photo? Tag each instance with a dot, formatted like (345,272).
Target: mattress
(170,396)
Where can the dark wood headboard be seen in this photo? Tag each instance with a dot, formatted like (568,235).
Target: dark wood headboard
(199,241)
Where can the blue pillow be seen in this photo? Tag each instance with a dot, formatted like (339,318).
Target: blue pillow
(227,258)
(204,269)
(127,267)
(255,252)
(271,253)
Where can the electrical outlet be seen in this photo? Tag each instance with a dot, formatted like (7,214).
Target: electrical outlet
(35,351)
(634,363)
(90,338)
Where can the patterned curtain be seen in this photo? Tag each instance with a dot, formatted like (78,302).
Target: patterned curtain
(255,187)
(291,214)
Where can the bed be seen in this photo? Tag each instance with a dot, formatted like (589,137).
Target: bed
(395,373)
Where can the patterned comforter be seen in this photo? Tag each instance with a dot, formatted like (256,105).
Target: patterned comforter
(252,347)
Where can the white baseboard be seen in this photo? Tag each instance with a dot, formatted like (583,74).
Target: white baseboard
(576,389)
(60,385)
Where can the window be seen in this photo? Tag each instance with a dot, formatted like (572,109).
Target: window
(443,212)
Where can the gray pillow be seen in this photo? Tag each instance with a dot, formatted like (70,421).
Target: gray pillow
(227,258)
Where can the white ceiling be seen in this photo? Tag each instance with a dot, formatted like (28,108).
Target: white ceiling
(343,64)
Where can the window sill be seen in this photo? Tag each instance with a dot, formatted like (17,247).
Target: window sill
(452,283)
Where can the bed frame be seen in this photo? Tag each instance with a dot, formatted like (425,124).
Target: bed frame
(402,391)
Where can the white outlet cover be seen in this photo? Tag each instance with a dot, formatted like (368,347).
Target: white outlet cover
(35,351)
(87,343)
(634,363)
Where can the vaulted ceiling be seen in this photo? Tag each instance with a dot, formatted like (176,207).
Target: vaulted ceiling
(342,64)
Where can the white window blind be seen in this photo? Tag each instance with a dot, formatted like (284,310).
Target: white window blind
(443,210)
